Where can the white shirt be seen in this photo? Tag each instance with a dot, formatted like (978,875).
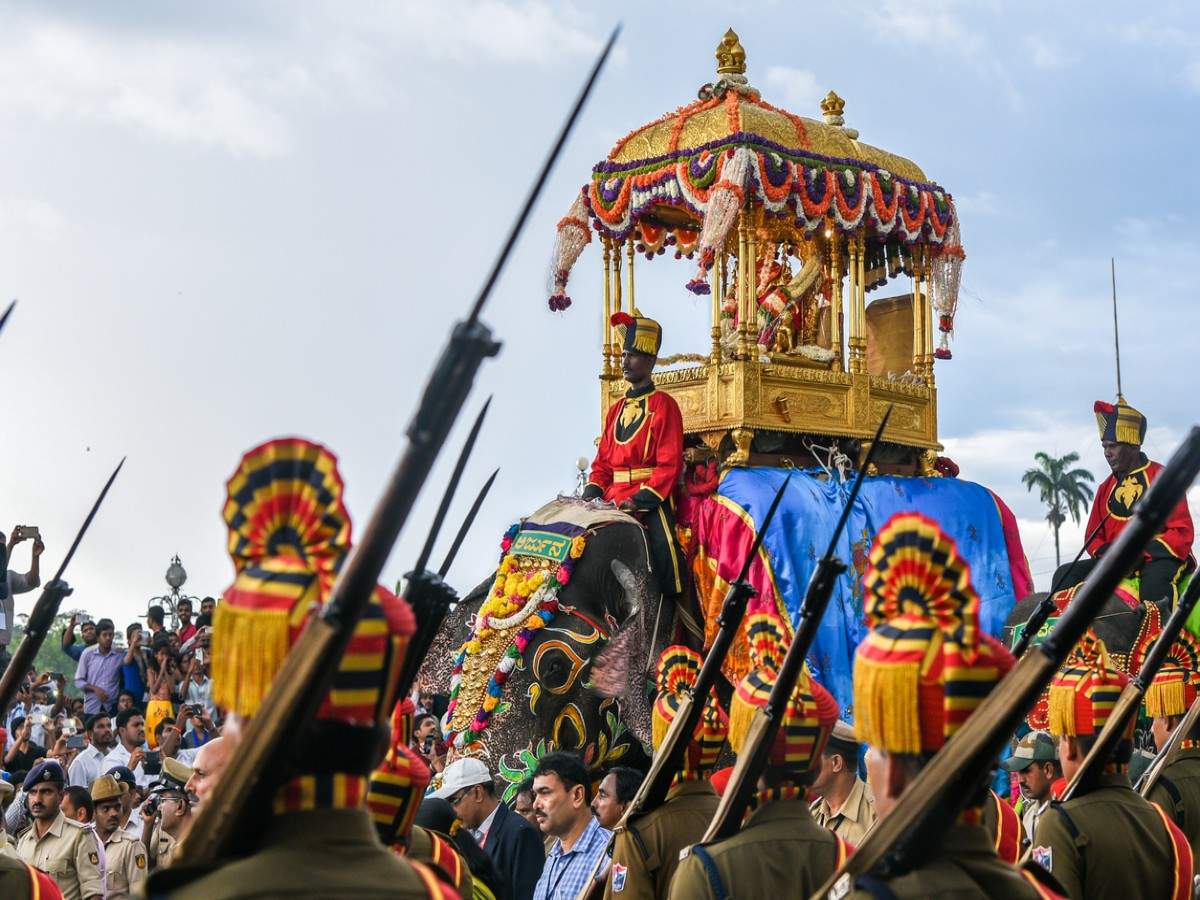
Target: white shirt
(37,733)
(199,693)
(485,826)
(87,767)
(119,756)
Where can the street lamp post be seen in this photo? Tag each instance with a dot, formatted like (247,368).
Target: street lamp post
(176,577)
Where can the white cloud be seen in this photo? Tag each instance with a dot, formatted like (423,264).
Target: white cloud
(31,216)
(801,92)
(1046,53)
(170,89)
(981,203)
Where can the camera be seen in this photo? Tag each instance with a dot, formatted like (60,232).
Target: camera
(153,763)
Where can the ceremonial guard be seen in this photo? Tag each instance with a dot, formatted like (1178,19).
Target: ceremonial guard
(1168,698)
(646,852)
(66,850)
(780,851)
(394,795)
(1001,821)
(289,534)
(640,458)
(1106,840)
(919,673)
(838,783)
(1169,556)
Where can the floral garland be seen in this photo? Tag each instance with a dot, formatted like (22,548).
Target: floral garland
(524,598)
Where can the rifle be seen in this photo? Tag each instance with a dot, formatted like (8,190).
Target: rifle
(668,759)
(431,598)
(7,313)
(1167,754)
(1046,607)
(46,608)
(948,781)
(760,736)
(1131,697)
(308,669)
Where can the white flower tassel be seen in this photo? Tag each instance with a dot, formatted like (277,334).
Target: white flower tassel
(724,200)
(573,236)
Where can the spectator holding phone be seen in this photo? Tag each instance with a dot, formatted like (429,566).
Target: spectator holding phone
(201,729)
(133,667)
(87,634)
(45,706)
(425,740)
(18,583)
(163,682)
(99,671)
(199,688)
(24,753)
(130,750)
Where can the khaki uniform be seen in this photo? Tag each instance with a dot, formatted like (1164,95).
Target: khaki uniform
(1177,791)
(646,854)
(323,853)
(69,853)
(853,819)
(780,852)
(1110,843)
(126,864)
(964,865)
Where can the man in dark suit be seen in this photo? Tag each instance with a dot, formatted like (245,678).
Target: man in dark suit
(512,843)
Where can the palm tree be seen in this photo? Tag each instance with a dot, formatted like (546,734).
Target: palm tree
(1063,489)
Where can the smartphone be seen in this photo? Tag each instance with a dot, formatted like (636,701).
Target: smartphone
(200,657)
(428,748)
(151,805)
(39,718)
(28,532)
(75,742)
(153,763)
(54,676)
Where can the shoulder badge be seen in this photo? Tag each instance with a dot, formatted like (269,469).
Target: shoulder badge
(1044,857)
(94,858)
(619,873)
(140,860)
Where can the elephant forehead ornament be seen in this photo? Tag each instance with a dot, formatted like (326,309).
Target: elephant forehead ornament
(535,565)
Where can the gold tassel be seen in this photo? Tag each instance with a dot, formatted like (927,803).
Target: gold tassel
(1166,699)
(885,705)
(248,649)
(659,725)
(1060,708)
(741,714)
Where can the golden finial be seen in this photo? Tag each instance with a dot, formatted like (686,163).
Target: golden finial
(832,108)
(731,56)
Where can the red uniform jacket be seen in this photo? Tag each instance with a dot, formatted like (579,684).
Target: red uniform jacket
(1119,500)
(641,449)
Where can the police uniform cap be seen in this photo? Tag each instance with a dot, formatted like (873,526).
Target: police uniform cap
(124,775)
(7,792)
(174,777)
(46,772)
(106,787)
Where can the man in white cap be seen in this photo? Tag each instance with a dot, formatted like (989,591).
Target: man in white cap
(1035,761)
(845,805)
(512,843)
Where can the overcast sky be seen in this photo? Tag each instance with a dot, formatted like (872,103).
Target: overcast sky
(231,221)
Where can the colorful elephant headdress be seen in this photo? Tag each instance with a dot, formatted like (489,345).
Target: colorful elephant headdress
(678,668)
(926,664)
(810,713)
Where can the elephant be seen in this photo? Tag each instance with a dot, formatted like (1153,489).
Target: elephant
(1117,624)
(579,683)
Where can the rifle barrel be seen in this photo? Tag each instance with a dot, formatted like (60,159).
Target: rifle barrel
(943,787)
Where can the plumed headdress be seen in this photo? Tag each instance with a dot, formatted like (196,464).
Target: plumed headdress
(288,536)
(678,668)
(398,784)
(925,665)
(1120,422)
(1173,689)
(809,716)
(1085,690)
(638,333)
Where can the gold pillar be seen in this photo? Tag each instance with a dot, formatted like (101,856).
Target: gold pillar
(718,295)
(927,316)
(751,320)
(606,327)
(860,303)
(743,351)
(614,349)
(629,275)
(854,335)
(835,302)
(918,316)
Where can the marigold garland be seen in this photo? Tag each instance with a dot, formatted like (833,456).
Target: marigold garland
(524,596)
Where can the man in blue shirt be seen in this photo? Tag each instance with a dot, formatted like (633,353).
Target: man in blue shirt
(562,804)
